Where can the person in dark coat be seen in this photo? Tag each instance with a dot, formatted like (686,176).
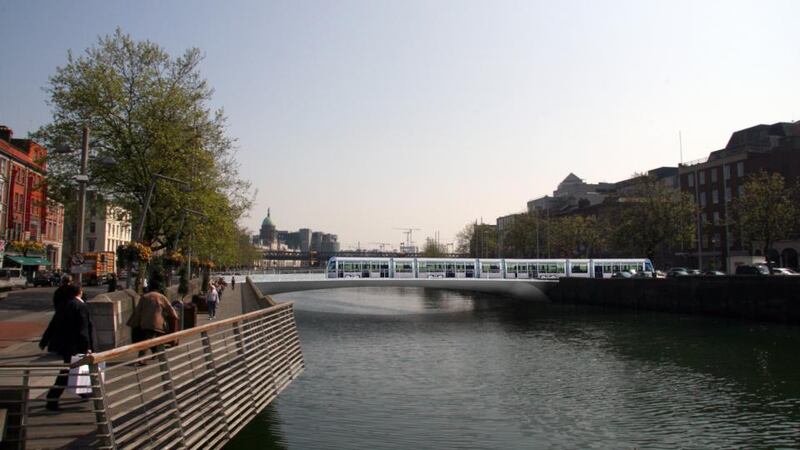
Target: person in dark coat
(60,295)
(233,283)
(69,333)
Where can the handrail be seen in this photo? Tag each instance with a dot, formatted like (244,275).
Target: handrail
(95,358)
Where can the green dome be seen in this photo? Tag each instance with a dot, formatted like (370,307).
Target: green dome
(267,222)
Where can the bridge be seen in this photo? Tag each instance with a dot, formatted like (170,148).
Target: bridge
(523,289)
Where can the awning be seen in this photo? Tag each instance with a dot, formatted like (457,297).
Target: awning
(29,260)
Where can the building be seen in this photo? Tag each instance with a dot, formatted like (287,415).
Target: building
(24,214)
(53,236)
(106,229)
(714,182)
(572,192)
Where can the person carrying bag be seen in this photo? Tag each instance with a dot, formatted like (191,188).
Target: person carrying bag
(68,334)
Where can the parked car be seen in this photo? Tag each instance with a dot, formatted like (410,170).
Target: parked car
(45,279)
(661,274)
(694,272)
(622,275)
(678,272)
(643,274)
(713,273)
(757,269)
(784,272)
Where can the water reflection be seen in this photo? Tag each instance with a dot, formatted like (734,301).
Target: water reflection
(407,367)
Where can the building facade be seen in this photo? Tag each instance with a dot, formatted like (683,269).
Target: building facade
(107,228)
(716,181)
(25,208)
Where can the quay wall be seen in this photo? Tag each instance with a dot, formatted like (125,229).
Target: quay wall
(110,313)
(774,299)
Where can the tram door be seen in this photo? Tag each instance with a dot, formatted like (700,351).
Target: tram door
(598,271)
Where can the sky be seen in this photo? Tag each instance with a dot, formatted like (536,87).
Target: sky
(359,117)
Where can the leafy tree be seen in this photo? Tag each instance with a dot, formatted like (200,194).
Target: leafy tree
(577,236)
(654,216)
(464,238)
(767,210)
(148,114)
(433,249)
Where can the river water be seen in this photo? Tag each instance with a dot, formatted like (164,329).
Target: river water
(418,368)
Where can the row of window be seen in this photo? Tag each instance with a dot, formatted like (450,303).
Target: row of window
(726,174)
(715,195)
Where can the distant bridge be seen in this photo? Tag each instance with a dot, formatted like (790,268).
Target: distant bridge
(524,289)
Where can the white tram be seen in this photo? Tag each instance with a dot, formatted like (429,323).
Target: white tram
(354,267)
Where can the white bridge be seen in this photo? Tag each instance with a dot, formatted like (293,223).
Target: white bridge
(519,288)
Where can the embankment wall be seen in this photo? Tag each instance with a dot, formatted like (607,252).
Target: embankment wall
(774,299)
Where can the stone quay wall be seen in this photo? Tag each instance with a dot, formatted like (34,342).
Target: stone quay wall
(774,299)
(110,313)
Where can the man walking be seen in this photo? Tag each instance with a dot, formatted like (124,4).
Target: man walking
(69,333)
(60,296)
(152,317)
(212,300)
(233,283)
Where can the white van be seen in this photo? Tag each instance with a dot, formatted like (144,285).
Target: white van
(11,278)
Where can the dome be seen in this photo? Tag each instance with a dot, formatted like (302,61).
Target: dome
(267,222)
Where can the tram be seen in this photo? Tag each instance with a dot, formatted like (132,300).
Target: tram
(354,267)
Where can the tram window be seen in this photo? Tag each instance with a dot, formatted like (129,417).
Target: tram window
(511,267)
(580,268)
(470,266)
(423,267)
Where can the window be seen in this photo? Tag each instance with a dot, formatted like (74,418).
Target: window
(716,218)
(714,175)
(727,194)
(92,227)
(740,190)
(91,245)
(717,241)
(690,180)
(726,172)
(703,218)
(715,196)
(702,199)
(740,169)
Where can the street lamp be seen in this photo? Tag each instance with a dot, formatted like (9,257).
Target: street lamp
(82,179)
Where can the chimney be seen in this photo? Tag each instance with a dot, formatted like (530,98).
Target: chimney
(6,133)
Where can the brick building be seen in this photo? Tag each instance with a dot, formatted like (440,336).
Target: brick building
(25,209)
(714,182)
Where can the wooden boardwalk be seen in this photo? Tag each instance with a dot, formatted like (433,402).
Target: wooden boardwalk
(197,393)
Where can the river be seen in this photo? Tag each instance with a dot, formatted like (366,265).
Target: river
(403,368)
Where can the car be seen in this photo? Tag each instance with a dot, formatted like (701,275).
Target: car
(694,272)
(644,274)
(622,275)
(678,272)
(45,279)
(783,271)
(661,274)
(755,269)
(713,273)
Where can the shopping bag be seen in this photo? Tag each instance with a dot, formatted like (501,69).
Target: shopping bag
(79,381)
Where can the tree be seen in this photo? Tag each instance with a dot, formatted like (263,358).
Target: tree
(148,114)
(767,210)
(464,238)
(654,216)
(433,249)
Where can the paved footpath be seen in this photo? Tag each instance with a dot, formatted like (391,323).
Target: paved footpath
(24,316)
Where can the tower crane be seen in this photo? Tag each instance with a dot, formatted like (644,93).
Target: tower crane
(381,245)
(409,233)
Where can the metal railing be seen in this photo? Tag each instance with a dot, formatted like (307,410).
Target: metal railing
(194,389)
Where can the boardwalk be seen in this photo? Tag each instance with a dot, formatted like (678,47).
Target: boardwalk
(133,396)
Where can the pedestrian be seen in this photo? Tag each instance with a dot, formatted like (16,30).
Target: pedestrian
(112,282)
(61,296)
(233,283)
(69,333)
(212,300)
(152,317)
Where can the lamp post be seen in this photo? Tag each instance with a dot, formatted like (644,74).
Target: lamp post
(82,179)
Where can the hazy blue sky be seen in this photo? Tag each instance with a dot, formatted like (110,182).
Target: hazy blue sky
(355,117)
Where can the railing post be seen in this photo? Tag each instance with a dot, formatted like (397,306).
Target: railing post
(23,425)
(163,368)
(208,356)
(240,351)
(105,430)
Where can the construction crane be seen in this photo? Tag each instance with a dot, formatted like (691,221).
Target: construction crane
(409,233)
(381,245)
